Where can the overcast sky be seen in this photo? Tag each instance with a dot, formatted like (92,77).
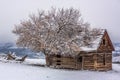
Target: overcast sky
(99,13)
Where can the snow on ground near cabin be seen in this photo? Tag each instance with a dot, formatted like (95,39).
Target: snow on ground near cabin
(35,61)
(17,71)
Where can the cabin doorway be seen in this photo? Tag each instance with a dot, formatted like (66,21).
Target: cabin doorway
(80,62)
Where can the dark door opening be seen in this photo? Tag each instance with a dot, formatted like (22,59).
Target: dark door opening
(80,62)
(80,59)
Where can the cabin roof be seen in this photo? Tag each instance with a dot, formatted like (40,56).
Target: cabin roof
(77,46)
(94,44)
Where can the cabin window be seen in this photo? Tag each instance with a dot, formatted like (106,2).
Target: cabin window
(58,56)
(104,41)
(80,59)
(58,64)
(58,61)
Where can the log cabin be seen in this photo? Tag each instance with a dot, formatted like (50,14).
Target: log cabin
(95,57)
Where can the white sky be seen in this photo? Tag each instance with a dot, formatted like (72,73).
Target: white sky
(99,13)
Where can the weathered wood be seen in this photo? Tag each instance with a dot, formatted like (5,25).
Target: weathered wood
(22,59)
(92,61)
(10,57)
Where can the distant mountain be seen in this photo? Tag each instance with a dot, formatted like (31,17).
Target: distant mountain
(117,49)
(11,47)
(6,45)
(117,46)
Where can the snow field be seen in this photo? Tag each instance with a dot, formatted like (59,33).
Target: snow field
(17,71)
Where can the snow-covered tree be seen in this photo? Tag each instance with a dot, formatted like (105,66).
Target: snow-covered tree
(54,31)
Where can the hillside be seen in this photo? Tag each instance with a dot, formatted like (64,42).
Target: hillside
(19,51)
(117,49)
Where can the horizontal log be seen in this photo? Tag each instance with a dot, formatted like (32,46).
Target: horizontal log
(88,65)
(62,63)
(63,59)
(65,66)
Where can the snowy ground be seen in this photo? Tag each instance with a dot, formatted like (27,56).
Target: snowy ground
(37,62)
(17,71)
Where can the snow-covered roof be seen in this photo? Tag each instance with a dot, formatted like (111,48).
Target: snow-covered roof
(78,44)
(94,44)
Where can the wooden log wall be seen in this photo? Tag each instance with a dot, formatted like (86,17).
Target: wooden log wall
(97,61)
(62,62)
(104,61)
(90,61)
